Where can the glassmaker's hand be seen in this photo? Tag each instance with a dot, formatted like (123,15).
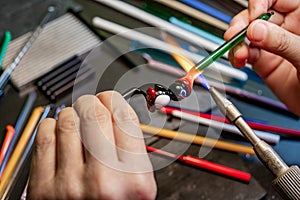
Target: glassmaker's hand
(95,150)
(274,47)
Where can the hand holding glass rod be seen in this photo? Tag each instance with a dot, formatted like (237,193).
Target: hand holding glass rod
(216,54)
(159,96)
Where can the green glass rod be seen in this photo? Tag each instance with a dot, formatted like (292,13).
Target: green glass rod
(216,54)
(4,45)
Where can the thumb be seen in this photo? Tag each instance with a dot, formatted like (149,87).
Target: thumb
(275,39)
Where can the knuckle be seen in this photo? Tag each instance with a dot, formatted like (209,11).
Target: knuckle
(89,108)
(43,142)
(144,186)
(128,187)
(67,125)
(66,120)
(44,139)
(145,192)
(102,115)
(72,193)
(122,115)
(70,187)
(34,191)
(283,42)
(96,188)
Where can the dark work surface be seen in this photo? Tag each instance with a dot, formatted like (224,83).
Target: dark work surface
(176,180)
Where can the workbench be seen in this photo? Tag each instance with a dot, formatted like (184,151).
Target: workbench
(175,180)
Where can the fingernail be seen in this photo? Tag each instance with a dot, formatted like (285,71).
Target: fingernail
(258,31)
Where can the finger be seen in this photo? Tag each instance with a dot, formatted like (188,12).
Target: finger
(96,131)
(69,148)
(238,22)
(258,7)
(125,122)
(241,20)
(274,39)
(44,154)
(128,134)
(283,6)
(238,55)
